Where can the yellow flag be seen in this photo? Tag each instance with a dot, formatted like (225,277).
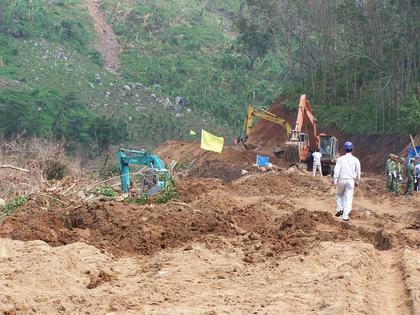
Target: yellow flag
(211,142)
(192,133)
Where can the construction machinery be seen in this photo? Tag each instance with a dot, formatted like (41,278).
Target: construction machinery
(153,178)
(301,145)
(262,114)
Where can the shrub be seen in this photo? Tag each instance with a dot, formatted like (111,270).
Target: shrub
(55,170)
(13,204)
(142,200)
(106,191)
(168,193)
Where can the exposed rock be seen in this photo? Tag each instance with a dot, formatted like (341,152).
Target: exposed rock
(180,101)
(167,103)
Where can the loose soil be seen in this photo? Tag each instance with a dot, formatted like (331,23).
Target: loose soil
(259,243)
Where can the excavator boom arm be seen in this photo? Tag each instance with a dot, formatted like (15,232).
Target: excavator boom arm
(305,115)
(266,115)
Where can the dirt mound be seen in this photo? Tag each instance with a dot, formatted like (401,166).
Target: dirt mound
(263,226)
(189,190)
(372,150)
(118,228)
(124,229)
(205,164)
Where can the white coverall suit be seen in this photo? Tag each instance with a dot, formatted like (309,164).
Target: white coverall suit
(346,174)
(317,163)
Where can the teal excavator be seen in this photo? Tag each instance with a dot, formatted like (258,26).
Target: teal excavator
(153,178)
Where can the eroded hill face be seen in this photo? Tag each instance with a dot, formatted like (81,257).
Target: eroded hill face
(372,150)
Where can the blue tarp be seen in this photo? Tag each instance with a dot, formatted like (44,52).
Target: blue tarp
(411,152)
(262,160)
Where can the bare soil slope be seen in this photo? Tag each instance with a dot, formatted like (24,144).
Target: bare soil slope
(106,42)
(373,150)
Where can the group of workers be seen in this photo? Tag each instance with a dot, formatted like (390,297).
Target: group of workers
(347,174)
(394,171)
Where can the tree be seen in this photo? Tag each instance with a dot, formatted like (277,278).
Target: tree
(255,43)
(360,57)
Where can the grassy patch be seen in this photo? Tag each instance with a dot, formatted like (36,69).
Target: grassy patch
(187,48)
(106,191)
(49,56)
(13,204)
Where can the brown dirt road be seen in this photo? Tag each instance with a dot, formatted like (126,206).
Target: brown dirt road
(106,42)
(262,243)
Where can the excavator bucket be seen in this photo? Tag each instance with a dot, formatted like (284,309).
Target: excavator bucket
(292,152)
(293,147)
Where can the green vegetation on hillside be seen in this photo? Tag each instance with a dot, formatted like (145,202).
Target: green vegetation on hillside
(187,47)
(62,21)
(284,48)
(218,55)
(49,115)
(357,61)
(47,54)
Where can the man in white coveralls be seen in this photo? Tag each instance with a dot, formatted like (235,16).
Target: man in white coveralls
(346,177)
(317,162)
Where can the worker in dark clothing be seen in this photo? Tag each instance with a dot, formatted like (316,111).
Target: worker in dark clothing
(409,188)
(277,151)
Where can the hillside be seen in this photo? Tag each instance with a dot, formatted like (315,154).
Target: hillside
(195,231)
(190,48)
(48,54)
(222,56)
(121,65)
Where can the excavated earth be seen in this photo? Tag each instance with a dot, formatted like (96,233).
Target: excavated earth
(373,150)
(234,243)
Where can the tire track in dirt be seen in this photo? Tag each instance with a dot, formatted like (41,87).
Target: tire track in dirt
(388,294)
(106,42)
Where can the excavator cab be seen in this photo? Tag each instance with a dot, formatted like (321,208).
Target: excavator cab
(329,149)
(153,177)
(152,181)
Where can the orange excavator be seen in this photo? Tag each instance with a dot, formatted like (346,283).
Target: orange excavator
(300,144)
